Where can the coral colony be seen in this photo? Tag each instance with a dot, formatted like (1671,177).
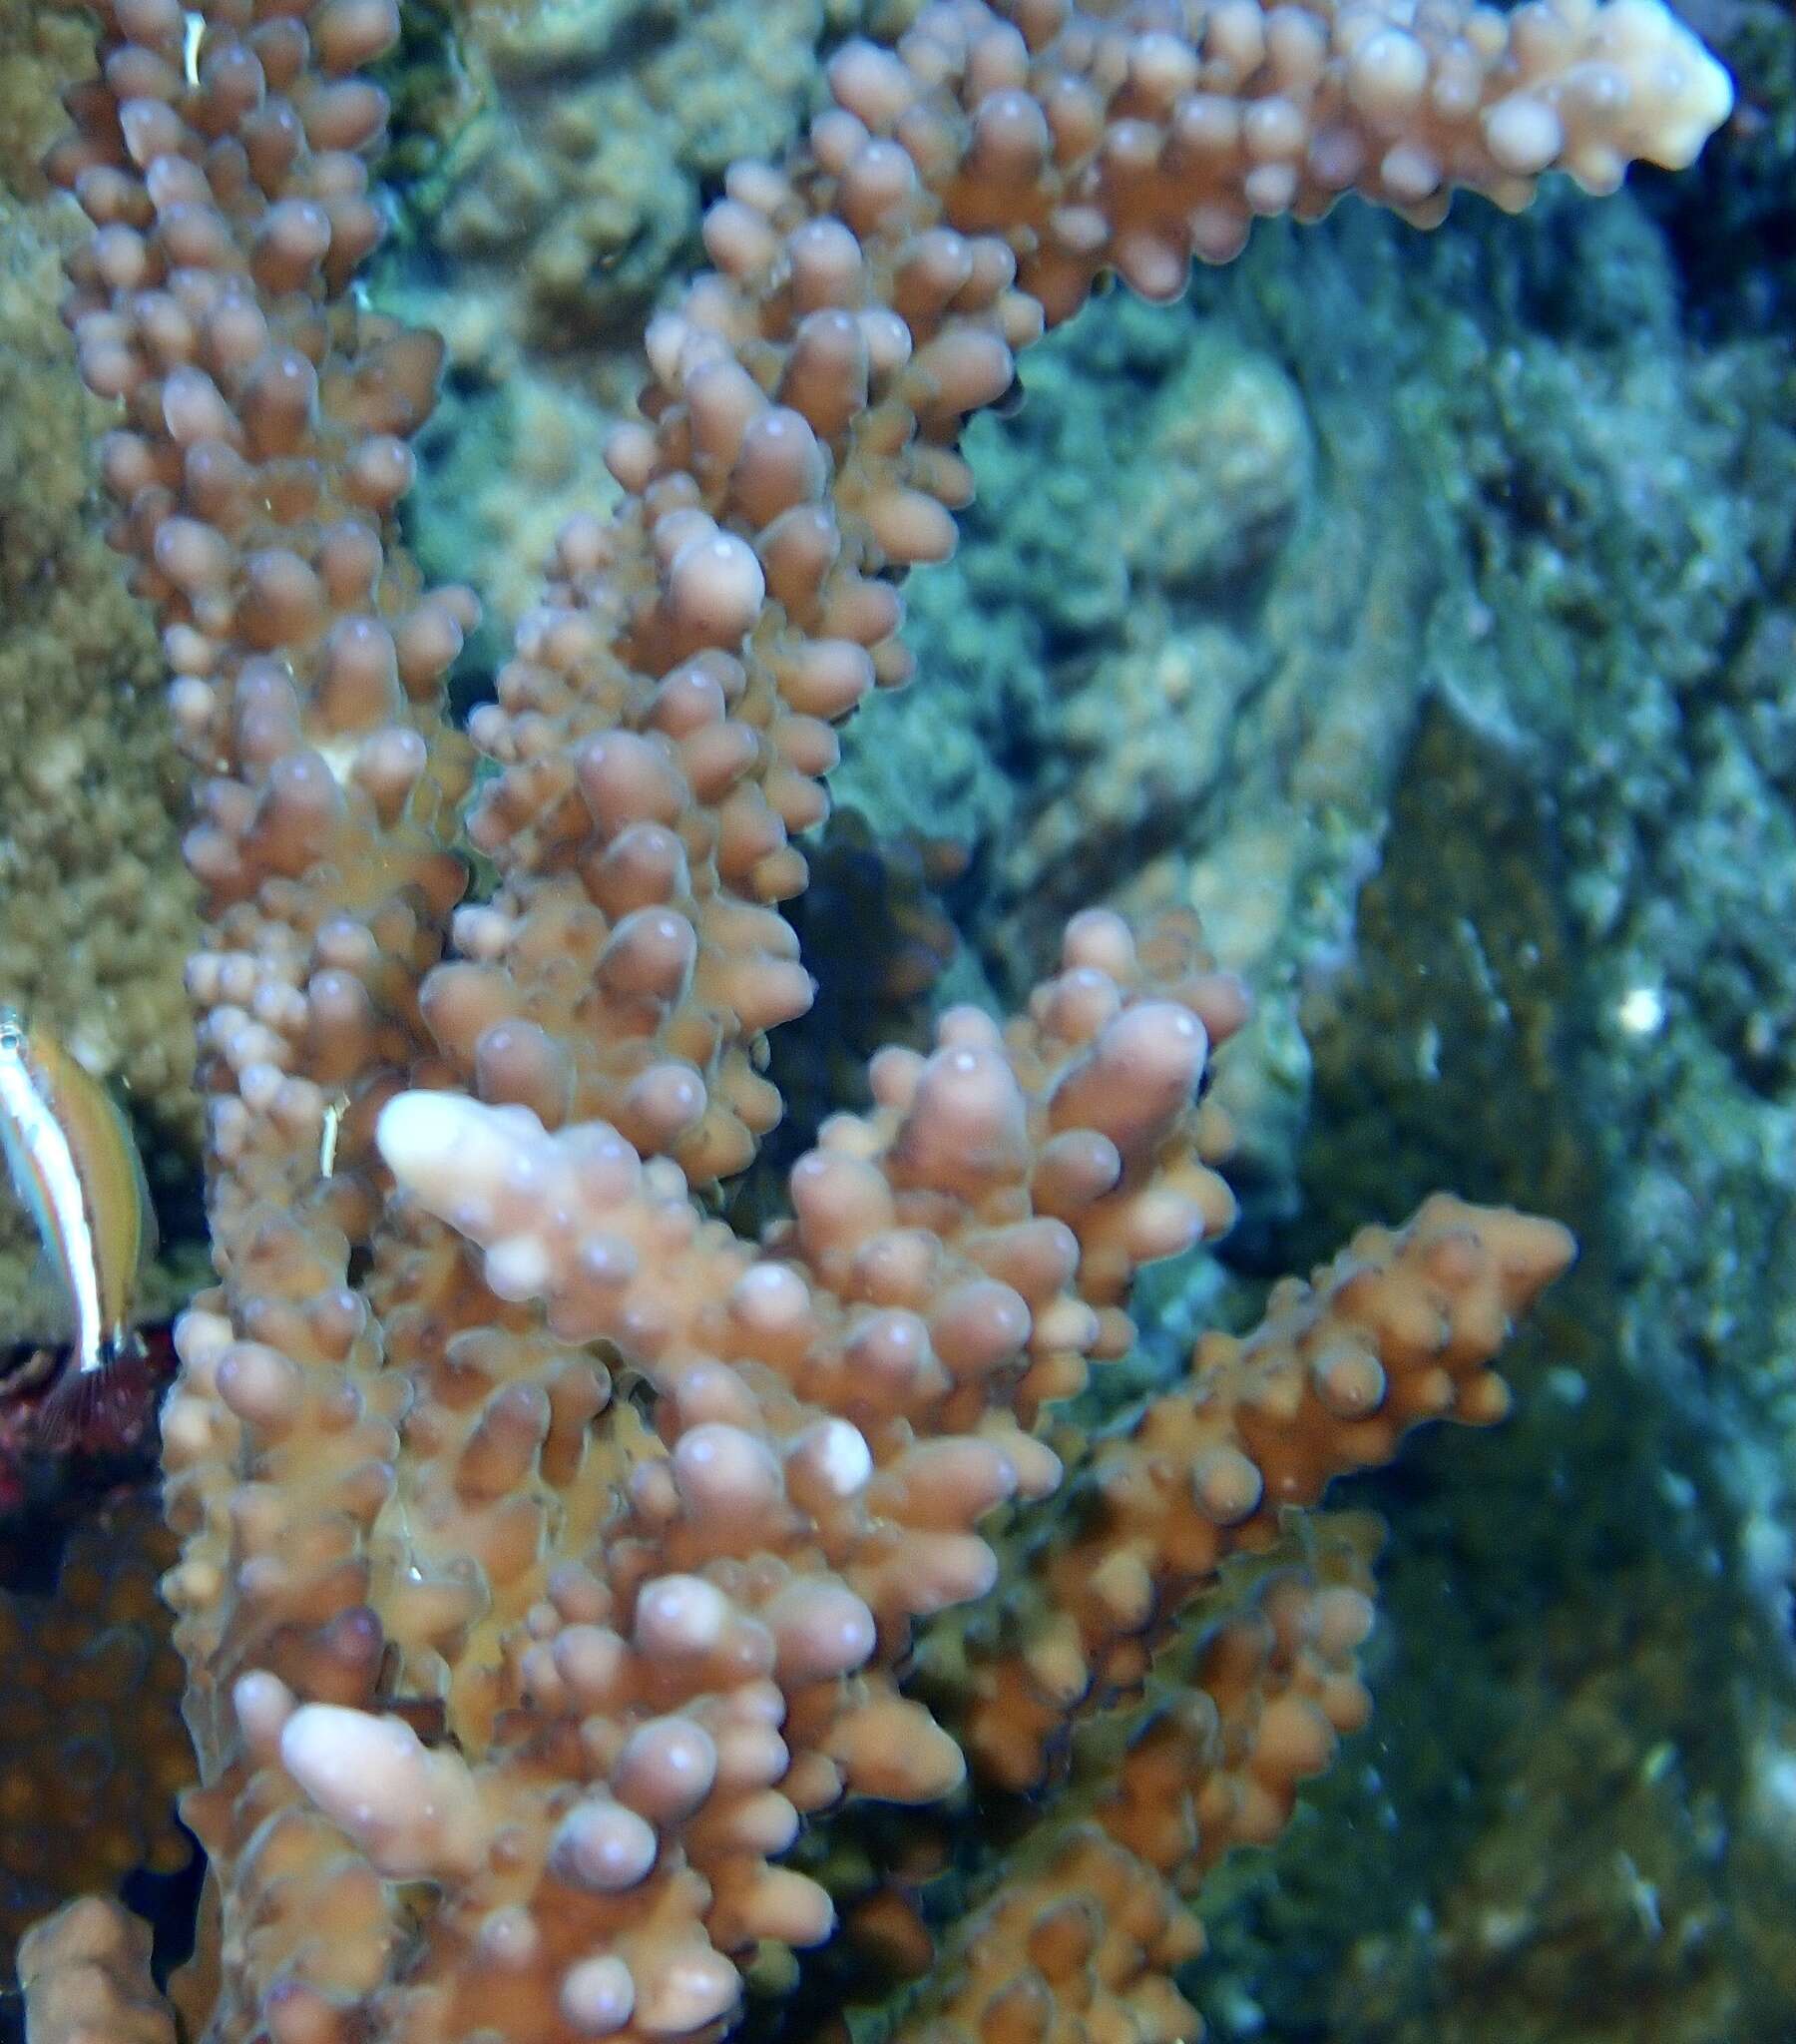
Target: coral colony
(552,1558)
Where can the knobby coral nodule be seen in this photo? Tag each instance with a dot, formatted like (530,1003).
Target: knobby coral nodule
(549,1553)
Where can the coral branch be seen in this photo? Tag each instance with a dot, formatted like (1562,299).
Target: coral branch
(549,1552)
(1400,1328)
(666,723)
(1087,1925)
(85,1975)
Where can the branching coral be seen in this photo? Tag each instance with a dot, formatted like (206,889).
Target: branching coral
(549,1552)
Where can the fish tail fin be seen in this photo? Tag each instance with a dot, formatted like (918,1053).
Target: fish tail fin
(67,1412)
(102,1409)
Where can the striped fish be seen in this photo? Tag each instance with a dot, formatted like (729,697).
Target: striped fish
(75,1168)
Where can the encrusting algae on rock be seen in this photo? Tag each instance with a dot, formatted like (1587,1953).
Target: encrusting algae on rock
(488,1427)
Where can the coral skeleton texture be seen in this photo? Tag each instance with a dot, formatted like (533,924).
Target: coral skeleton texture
(549,1553)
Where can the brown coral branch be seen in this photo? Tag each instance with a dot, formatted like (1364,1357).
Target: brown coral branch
(86,1974)
(1086,1925)
(1401,1328)
(643,1635)
(261,456)
(664,726)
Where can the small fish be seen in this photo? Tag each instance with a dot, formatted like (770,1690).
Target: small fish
(75,1168)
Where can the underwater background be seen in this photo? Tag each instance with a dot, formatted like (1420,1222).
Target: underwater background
(1421,610)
